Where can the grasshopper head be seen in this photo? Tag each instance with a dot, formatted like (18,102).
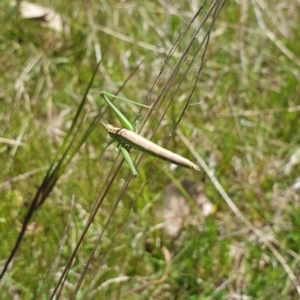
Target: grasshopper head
(109,128)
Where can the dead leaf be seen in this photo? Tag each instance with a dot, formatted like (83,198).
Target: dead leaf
(177,209)
(47,16)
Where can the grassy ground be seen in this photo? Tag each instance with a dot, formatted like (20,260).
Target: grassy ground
(244,124)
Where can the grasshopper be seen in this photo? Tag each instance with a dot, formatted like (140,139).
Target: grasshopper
(127,139)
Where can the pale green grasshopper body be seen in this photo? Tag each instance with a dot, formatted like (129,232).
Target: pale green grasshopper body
(127,138)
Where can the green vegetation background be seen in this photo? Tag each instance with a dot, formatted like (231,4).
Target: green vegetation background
(245,124)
